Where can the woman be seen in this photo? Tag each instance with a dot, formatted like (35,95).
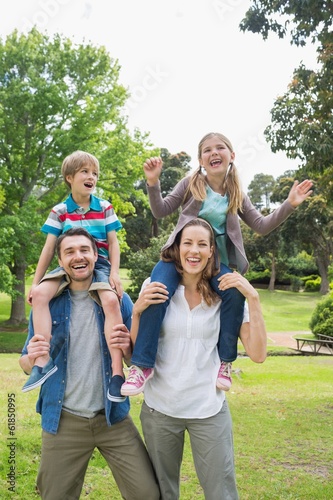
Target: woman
(182,395)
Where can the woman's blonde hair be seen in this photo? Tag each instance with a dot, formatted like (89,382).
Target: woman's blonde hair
(172,254)
(231,185)
(73,162)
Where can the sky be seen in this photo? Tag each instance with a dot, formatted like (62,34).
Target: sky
(188,68)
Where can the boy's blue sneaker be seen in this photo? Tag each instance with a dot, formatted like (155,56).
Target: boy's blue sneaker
(38,375)
(114,389)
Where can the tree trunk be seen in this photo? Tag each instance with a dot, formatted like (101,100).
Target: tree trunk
(17,313)
(271,285)
(154,227)
(323,264)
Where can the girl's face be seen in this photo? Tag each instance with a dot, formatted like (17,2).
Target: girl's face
(84,180)
(195,249)
(215,156)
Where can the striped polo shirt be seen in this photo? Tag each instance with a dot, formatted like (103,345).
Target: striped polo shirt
(98,220)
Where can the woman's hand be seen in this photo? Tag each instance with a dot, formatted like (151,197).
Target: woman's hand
(153,293)
(152,169)
(236,280)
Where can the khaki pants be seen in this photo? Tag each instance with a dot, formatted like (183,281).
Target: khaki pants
(212,450)
(65,458)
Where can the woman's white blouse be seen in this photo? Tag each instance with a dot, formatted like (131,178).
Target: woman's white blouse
(187,362)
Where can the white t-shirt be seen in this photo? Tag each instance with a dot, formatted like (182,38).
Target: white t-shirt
(187,362)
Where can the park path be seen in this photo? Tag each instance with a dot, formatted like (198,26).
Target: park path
(284,339)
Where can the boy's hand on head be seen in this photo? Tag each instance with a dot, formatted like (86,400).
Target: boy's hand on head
(29,296)
(116,284)
(152,169)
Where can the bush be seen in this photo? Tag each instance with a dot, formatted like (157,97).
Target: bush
(313,285)
(141,264)
(322,318)
(258,276)
(295,283)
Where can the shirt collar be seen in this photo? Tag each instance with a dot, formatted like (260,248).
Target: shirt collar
(94,204)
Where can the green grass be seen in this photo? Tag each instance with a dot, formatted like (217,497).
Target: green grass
(287,311)
(283,433)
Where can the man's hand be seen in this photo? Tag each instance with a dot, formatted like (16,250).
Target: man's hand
(120,338)
(38,347)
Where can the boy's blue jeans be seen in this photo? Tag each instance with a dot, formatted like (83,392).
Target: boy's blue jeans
(231,317)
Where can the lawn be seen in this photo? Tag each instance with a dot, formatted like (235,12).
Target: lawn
(283,432)
(282,412)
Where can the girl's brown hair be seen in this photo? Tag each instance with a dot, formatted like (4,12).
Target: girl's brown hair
(73,162)
(172,254)
(231,185)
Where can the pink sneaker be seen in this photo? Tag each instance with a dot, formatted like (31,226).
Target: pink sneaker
(136,380)
(224,381)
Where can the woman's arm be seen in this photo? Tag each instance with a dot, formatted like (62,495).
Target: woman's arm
(253,333)
(153,293)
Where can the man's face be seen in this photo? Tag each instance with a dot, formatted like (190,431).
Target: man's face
(78,258)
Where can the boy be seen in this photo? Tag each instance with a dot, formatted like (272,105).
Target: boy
(80,171)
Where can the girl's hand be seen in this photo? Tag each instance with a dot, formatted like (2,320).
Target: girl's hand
(152,169)
(299,192)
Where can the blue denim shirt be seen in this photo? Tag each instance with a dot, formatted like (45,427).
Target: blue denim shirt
(52,392)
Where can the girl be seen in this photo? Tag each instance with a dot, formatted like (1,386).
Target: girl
(213,193)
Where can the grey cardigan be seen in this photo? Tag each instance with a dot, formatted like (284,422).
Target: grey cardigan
(161,207)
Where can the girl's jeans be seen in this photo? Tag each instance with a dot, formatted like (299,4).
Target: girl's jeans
(231,317)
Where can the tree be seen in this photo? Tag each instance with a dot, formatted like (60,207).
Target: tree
(260,189)
(302,124)
(310,228)
(142,225)
(56,97)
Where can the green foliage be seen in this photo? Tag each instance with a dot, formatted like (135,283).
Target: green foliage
(141,226)
(56,97)
(313,285)
(260,190)
(322,318)
(295,283)
(306,19)
(258,276)
(141,264)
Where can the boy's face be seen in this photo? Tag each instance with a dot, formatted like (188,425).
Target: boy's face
(84,180)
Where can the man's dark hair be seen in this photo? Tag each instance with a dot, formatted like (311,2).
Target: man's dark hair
(75,231)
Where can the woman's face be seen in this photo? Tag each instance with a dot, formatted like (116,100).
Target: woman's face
(195,249)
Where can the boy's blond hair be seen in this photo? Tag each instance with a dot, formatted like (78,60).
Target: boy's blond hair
(73,162)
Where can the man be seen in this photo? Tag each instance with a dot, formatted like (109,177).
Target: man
(77,416)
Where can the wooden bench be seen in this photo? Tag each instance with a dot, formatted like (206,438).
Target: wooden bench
(315,346)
